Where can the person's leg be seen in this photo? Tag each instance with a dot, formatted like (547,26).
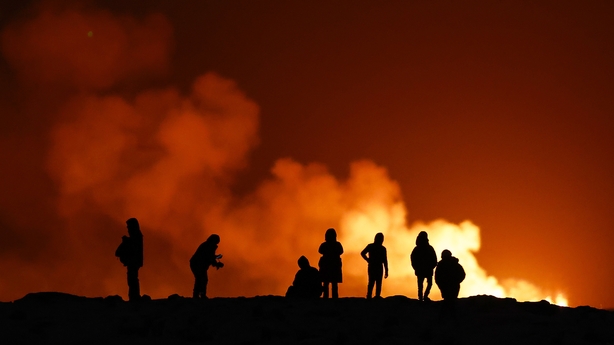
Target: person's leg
(420,287)
(378,287)
(429,284)
(454,291)
(325,295)
(377,274)
(134,289)
(198,281)
(370,288)
(203,291)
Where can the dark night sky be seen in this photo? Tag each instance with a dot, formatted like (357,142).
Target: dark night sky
(497,112)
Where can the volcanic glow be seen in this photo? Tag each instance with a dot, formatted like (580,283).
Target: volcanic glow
(170,160)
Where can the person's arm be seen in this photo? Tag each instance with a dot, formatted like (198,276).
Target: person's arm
(433,258)
(340,248)
(213,258)
(297,282)
(385,263)
(413,259)
(364,253)
(461,273)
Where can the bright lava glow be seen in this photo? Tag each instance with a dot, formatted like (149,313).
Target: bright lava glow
(463,240)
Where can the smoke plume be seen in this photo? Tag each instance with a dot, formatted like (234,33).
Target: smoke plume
(170,158)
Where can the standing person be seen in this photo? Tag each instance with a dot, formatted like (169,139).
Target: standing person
(448,275)
(377,258)
(330,263)
(130,253)
(199,264)
(423,260)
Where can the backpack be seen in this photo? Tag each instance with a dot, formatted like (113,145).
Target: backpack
(123,251)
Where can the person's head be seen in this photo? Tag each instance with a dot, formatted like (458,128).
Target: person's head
(422,239)
(215,239)
(303,262)
(379,238)
(331,235)
(133,227)
(446,254)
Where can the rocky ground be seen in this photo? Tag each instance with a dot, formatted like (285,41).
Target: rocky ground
(57,318)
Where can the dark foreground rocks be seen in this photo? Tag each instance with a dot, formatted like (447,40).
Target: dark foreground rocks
(57,318)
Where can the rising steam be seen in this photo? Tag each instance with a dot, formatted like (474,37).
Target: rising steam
(170,159)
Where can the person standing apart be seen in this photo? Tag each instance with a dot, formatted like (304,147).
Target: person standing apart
(130,254)
(330,263)
(204,257)
(377,258)
(423,261)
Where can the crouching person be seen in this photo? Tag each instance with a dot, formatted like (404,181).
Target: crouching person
(307,283)
(448,276)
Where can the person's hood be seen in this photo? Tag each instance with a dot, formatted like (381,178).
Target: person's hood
(422,240)
(450,260)
(303,262)
(453,259)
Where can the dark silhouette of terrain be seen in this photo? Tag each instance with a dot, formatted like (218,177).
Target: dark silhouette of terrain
(58,318)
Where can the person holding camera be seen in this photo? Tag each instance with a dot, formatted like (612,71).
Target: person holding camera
(203,258)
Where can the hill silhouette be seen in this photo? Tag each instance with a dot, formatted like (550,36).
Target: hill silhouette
(54,318)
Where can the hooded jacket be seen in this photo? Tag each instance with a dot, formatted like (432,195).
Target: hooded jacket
(449,274)
(423,257)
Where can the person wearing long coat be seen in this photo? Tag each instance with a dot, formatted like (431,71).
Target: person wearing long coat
(330,263)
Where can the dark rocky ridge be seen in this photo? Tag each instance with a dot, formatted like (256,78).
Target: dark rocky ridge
(58,318)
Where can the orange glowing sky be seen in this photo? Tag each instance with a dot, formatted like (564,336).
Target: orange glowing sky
(270,121)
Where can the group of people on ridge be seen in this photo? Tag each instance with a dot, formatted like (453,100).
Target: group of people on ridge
(309,282)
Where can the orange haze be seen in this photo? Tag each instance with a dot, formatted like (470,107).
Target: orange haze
(103,148)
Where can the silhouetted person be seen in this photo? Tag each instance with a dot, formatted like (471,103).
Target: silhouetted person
(377,259)
(330,263)
(307,282)
(423,260)
(199,264)
(130,253)
(448,275)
